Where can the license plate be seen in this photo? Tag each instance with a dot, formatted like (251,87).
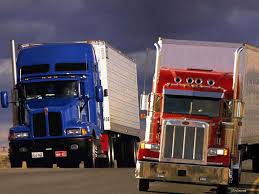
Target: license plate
(61,154)
(37,155)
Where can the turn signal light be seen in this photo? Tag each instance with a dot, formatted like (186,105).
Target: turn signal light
(84,131)
(148,151)
(217,152)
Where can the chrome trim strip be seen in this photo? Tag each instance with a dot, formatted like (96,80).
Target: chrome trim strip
(184,138)
(194,143)
(173,142)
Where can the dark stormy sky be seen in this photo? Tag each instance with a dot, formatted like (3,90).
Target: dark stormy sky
(129,25)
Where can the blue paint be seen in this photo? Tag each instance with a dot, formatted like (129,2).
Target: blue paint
(79,111)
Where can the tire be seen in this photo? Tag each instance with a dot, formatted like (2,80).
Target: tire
(255,164)
(143,185)
(38,164)
(135,151)
(236,177)
(68,164)
(111,156)
(222,189)
(15,163)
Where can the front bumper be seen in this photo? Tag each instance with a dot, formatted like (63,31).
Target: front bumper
(184,173)
(22,149)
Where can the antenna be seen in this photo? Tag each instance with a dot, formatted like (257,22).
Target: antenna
(145,66)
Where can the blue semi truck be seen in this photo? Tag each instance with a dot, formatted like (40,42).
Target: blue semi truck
(73,103)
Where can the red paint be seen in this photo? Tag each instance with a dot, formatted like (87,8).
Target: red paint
(104,142)
(142,153)
(225,160)
(223,84)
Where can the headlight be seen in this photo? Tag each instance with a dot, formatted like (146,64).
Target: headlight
(217,152)
(76,131)
(21,135)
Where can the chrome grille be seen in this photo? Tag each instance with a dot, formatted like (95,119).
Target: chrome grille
(184,143)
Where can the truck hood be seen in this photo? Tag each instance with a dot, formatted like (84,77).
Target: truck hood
(211,121)
(60,103)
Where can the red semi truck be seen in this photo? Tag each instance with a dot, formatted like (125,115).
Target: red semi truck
(194,126)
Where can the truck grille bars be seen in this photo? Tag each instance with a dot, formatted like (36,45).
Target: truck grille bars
(52,122)
(184,141)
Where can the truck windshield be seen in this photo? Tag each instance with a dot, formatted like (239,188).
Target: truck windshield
(192,105)
(51,89)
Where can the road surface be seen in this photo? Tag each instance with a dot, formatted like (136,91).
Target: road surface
(96,181)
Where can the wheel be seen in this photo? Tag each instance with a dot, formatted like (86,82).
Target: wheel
(255,164)
(135,151)
(143,185)
(91,156)
(38,164)
(222,189)
(236,173)
(111,157)
(15,163)
(68,164)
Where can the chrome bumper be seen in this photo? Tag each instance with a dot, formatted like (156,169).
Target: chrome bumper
(185,173)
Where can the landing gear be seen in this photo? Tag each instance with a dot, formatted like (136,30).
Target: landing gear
(255,164)
(143,185)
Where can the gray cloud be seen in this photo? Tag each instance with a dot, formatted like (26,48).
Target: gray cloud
(131,26)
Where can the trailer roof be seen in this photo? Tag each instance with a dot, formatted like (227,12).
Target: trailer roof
(202,43)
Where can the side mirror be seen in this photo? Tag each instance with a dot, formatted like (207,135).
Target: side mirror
(99,93)
(144,101)
(4,99)
(238,109)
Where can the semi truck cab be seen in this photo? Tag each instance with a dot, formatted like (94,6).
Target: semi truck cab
(193,120)
(58,113)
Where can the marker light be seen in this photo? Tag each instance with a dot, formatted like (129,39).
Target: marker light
(189,80)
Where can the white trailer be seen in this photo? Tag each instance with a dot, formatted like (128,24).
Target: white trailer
(221,56)
(118,75)
(248,67)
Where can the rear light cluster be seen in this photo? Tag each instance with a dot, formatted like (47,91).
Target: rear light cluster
(148,151)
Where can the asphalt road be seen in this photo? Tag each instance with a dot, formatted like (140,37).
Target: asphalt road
(97,181)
